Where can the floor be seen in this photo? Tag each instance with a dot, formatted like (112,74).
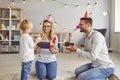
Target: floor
(10,65)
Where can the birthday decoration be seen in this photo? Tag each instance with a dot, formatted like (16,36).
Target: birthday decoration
(49,18)
(77,27)
(86,15)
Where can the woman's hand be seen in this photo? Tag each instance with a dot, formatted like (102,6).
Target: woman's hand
(37,49)
(53,50)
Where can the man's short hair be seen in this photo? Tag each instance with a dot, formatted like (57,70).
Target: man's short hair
(87,20)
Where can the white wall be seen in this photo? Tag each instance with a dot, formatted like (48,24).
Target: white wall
(68,17)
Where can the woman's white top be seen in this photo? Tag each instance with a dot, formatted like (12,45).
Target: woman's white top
(45,55)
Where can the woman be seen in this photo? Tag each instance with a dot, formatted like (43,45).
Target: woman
(46,64)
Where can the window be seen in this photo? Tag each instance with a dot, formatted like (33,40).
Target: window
(117,15)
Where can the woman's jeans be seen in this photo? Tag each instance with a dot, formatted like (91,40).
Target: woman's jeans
(87,72)
(46,70)
(26,69)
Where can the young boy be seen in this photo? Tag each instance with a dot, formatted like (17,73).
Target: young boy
(26,48)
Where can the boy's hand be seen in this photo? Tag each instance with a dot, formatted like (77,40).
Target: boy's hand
(37,40)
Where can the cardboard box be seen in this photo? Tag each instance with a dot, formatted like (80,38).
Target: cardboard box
(4,48)
(14,48)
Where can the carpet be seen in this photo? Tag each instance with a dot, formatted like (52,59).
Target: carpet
(16,76)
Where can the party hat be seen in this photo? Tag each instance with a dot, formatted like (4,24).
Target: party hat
(49,18)
(86,15)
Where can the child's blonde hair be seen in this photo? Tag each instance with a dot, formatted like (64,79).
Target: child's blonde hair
(51,34)
(25,24)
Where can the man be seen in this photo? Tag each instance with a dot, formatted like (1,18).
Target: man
(95,49)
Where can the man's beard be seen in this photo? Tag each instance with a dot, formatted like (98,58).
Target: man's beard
(82,30)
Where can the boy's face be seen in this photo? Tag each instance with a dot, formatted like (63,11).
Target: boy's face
(28,30)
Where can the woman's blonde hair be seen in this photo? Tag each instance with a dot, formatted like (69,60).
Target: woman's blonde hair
(25,24)
(51,33)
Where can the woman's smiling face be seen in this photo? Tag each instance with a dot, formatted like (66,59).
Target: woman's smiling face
(47,27)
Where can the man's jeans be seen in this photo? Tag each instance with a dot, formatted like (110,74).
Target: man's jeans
(26,69)
(87,72)
(46,70)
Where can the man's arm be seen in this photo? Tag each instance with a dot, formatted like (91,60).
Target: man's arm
(97,45)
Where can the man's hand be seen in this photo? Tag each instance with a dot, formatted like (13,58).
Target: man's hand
(71,48)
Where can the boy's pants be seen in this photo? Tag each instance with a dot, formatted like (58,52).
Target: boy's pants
(26,69)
